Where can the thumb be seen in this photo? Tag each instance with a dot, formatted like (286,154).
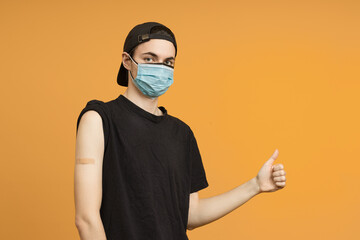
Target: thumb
(273,157)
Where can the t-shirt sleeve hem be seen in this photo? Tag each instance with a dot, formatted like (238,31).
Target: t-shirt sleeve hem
(201,185)
(97,106)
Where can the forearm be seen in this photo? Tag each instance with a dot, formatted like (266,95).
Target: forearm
(213,208)
(91,229)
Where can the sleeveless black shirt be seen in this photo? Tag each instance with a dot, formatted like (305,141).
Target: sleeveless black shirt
(151,165)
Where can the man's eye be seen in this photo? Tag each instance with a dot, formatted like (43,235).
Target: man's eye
(169,63)
(146,59)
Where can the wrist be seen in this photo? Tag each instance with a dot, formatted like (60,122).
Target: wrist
(255,185)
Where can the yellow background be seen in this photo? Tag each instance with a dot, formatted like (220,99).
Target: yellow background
(250,77)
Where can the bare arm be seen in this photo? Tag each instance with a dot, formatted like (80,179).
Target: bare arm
(203,211)
(88,176)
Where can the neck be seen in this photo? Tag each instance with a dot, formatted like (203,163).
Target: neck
(143,101)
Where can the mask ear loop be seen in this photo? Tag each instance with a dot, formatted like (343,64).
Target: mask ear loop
(136,65)
(133,59)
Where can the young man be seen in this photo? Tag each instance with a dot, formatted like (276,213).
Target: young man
(138,169)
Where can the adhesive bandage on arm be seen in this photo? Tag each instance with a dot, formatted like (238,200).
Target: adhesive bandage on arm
(85,161)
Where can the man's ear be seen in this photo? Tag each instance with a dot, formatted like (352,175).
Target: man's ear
(126,61)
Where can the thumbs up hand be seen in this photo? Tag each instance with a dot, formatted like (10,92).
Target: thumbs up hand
(271,177)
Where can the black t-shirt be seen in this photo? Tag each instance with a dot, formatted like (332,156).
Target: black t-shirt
(151,165)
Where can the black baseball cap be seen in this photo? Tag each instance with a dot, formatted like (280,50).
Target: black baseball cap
(141,33)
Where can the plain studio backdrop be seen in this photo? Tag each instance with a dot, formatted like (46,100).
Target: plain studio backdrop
(250,77)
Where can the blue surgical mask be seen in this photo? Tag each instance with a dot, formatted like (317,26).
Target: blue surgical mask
(153,79)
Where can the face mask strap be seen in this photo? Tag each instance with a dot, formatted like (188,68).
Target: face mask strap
(129,70)
(131,75)
(163,65)
(133,60)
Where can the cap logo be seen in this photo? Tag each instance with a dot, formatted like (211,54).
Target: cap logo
(143,37)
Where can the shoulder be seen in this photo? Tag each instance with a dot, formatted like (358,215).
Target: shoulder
(95,103)
(93,111)
(180,123)
(100,103)
(102,107)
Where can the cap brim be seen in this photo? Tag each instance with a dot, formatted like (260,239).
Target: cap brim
(122,78)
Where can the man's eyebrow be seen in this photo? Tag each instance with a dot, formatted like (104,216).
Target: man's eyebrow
(154,55)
